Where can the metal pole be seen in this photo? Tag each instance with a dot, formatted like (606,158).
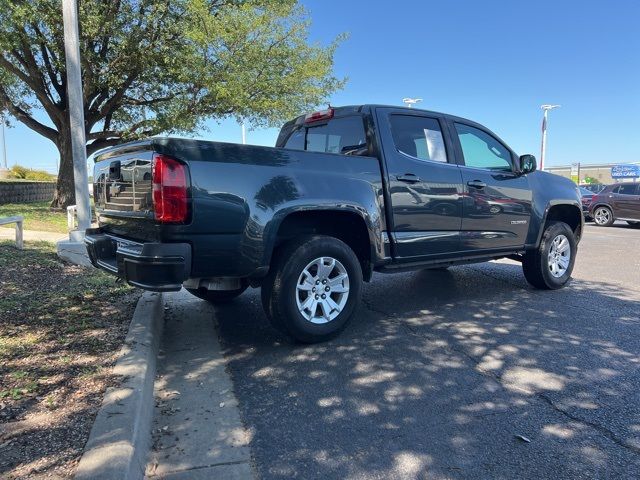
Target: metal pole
(76,112)
(543,148)
(4,145)
(410,101)
(244,134)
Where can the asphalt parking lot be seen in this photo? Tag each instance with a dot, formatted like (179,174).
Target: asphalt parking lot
(442,371)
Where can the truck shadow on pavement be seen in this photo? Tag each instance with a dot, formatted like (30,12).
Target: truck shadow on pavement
(447,375)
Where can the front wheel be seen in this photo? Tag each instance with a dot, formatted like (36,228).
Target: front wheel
(603,217)
(313,288)
(549,266)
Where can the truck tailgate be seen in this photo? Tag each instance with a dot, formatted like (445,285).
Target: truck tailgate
(122,193)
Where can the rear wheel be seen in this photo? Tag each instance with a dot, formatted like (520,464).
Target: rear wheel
(603,217)
(216,296)
(313,288)
(549,266)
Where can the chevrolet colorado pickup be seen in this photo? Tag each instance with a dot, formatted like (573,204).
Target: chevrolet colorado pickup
(346,192)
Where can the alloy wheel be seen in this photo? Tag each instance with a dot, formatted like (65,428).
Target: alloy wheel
(602,215)
(559,256)
(322,290)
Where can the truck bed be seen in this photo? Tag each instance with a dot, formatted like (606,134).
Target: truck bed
(237,195)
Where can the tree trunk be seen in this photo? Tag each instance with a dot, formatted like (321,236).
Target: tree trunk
(65,194)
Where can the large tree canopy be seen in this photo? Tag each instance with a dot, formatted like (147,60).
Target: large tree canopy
(152,66)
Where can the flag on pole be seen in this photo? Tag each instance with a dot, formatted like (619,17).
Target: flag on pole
(544,123)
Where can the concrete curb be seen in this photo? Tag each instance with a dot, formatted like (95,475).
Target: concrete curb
(120,438)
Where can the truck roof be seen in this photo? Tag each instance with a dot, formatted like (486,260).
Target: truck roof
(351,109)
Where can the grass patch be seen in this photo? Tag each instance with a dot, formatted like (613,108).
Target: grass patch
(37,216)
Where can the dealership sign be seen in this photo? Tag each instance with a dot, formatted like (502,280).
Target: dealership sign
(625,171)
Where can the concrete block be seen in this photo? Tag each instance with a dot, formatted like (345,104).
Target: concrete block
(74,252)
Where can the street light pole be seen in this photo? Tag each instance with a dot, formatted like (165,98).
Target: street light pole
(76,112)
(409,102)
(543,147)
(4,145)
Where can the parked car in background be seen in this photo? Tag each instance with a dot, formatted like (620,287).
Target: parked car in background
(587,197)
(593,187)
(620,201)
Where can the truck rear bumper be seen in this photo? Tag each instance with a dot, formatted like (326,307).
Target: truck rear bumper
(159,267)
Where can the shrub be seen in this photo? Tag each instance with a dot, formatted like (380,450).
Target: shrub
(18,171)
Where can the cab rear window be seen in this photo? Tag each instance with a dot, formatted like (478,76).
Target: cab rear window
(345,136)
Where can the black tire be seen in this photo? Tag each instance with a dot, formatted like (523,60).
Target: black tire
(535,264)
(606,212)
(280,287)
(216,296)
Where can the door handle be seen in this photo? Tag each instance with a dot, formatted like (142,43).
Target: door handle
(408,178)
(476,184)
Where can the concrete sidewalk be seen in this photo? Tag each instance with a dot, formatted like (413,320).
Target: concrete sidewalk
(197,431)
(32,235)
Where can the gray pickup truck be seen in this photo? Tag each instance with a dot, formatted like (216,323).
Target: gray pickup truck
(346,192)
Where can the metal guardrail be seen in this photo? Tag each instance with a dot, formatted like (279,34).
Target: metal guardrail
(18,221)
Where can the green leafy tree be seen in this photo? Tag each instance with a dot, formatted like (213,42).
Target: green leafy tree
(591,180)
(154,66)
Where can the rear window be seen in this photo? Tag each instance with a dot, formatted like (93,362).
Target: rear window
(345,136)
(418,137)
(628,189)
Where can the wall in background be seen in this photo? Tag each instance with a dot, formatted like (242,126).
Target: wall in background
(26,191)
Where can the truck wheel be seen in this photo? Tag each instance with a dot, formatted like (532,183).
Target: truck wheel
(549,266)
(603,217)
(313,288)
(216,296)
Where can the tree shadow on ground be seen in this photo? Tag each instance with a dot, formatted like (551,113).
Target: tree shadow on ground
(438,375)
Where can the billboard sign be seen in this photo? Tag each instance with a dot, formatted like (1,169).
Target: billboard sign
(625,171)
(575,172)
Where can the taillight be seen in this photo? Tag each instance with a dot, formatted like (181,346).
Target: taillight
(170,198)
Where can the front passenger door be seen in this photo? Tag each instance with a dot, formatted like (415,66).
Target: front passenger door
(497,206)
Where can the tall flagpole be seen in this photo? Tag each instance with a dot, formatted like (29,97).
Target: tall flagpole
(543,147)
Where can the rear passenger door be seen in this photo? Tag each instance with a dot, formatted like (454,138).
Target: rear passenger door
(627,201)
(424,182)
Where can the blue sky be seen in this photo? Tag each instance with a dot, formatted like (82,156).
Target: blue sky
(494,62)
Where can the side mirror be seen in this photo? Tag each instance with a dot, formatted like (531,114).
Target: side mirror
(528,164)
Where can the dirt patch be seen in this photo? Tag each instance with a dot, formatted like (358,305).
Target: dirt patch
(61,327)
